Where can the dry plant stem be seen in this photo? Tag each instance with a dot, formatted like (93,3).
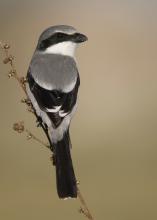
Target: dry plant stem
(13,73)
(20,128)
(85,209)
(30,135)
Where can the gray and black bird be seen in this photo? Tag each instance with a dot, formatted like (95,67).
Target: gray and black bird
(53,83)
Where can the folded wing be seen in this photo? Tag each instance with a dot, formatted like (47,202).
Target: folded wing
(55,103)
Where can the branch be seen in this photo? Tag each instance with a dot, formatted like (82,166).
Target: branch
(20,128)
(9,59)
(85,209)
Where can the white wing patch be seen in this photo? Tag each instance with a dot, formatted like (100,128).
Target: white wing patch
(62,113)
(57,109)
(53,110)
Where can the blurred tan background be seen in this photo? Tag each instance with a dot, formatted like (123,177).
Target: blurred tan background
(114,132)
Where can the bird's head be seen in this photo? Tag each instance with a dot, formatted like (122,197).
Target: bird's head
(61,39)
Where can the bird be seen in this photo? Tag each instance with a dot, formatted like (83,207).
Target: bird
(53,83)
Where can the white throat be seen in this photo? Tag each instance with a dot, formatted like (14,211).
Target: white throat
(66,48)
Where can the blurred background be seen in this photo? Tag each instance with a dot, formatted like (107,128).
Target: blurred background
(114,132)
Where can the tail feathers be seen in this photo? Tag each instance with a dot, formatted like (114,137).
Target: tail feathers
(65,176)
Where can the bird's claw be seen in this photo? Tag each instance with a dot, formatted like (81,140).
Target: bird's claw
(53,159)
(39,122)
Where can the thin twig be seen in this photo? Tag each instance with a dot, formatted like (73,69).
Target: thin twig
(85,210)
(13,73)
(19,127)
(31,135)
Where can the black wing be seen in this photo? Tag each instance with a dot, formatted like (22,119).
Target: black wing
(47,99)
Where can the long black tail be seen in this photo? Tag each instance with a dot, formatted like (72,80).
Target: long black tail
(65,176)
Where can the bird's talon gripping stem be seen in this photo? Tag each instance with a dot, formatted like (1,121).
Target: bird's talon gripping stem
(39,122)
(52,158)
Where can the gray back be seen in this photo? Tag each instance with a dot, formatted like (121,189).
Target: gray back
(54,71)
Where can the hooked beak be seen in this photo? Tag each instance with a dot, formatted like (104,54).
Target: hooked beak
(79,38)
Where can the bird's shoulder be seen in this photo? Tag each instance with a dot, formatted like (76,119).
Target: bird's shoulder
(42,59)
(54,71)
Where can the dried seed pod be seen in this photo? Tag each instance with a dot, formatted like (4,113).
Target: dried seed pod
(23,100)
(19,127)
(11,73)
(6,60)
(23,80)
(11,58)
(30,109)
(81,210)
(27,102)
(84,212)
(6,46)
(29,136)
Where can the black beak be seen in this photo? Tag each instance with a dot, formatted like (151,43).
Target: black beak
(79,38)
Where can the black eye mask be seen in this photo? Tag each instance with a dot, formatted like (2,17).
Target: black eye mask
(54,39)
(61,37)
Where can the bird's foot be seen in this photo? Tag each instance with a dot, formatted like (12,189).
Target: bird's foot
(53,159)
(39,122)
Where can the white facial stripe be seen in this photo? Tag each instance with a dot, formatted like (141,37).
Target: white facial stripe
(65,48)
